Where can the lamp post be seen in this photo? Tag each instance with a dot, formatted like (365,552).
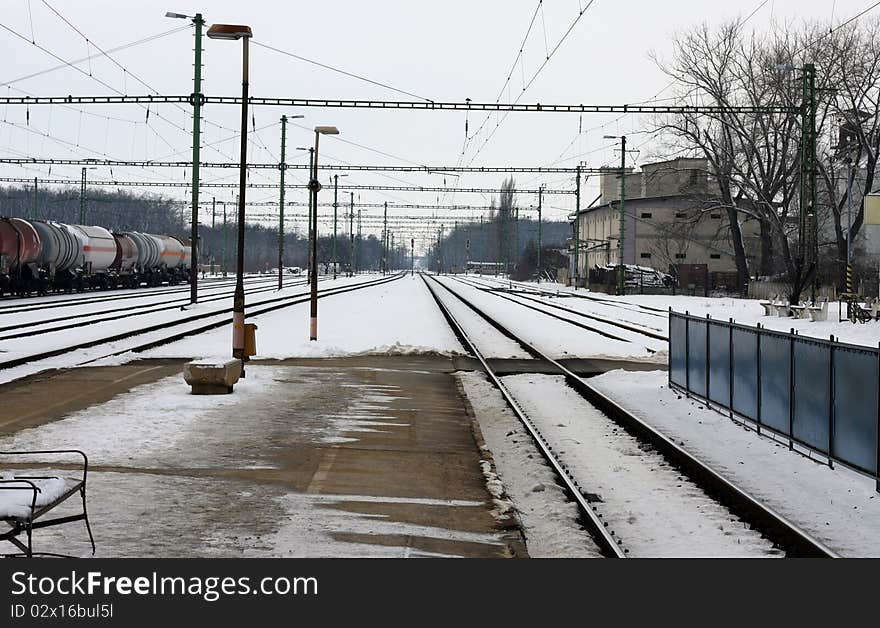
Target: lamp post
(314,188)
(335,207)
(233,32)
(351,269)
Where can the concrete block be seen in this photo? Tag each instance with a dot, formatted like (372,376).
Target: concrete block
(212,377)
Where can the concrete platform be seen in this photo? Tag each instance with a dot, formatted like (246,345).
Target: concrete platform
(355,457)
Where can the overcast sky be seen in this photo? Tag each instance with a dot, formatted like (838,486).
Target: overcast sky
(443,51)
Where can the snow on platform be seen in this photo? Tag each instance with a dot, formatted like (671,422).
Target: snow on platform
(395,318)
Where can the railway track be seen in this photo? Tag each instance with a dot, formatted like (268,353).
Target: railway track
(34,328)
(116,295)
(682,477)
(191,324)
(533,303)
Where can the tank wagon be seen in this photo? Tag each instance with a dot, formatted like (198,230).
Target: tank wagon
(40,257)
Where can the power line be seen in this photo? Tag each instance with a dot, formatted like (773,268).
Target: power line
(354,188)
(340,71)
(116,163)
(399,104)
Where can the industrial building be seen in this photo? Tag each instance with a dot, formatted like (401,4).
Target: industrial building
(672,222)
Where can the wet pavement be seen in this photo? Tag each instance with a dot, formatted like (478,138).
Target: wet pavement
(344,457)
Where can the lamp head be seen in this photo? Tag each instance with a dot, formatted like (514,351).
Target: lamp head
(327,130)
(179,16)
(229,31)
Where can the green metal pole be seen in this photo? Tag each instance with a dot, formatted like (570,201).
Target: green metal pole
(577,224)
(82,198)
(225,236)
(283,167)
(621,289)
(540,192)
(198,21)
(335,205)
(213,226)
(359,240)
(34,214)
(311,170)
(385,240)
(351,236)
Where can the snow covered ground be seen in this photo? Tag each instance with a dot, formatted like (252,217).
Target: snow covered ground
(839,507)
(745,311)
(395,318)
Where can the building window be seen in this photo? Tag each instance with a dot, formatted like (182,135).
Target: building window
(681,214)
(646,214)
(715,256)
(645,256)
(680,256)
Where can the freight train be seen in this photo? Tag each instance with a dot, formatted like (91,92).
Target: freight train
(42,256)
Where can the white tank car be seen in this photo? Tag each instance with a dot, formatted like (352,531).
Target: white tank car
(186,262)
(62,249)
(172,251)
(147,250)
(99,248)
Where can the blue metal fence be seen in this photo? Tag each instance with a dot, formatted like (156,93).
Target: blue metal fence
(821,394)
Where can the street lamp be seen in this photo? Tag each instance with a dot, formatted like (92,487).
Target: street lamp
(335,206)
(314,187)
(621,283)
(233,32)
(282,168)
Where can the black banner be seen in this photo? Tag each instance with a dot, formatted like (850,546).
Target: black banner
(134,592)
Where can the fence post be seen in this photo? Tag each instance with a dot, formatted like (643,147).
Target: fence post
(758,378)
(831,404)
(730,368)
(791,389)
(687,355)
(708,360)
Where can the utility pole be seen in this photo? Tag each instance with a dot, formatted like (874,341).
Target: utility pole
(34,215)
(440,250)
(311,167)
(808,180)
(225,235)
(359,241)
(213,226)
(540,192)
(282,167)
(335,206)
(577,225)
(391,249)
(412,256)
(196,98)
(82,198)
(621,284)
(351,267)
(385,240)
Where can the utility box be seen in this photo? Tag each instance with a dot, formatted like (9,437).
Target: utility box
(250,340)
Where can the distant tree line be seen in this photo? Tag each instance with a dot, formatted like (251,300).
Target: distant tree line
(507,235)
(124,211)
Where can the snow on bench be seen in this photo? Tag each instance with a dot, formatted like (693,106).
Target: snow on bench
(26,497)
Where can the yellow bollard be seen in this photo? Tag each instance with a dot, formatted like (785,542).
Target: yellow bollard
(250,340)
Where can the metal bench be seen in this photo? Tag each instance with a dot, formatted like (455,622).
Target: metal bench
(783,310)
(26,499)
